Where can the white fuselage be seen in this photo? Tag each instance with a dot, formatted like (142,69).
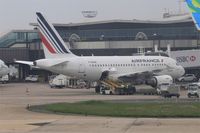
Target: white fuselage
(3,69)
(91,67)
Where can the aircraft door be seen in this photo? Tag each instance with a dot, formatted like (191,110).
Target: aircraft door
(81,68)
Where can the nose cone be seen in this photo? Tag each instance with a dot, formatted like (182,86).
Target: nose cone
(178,72)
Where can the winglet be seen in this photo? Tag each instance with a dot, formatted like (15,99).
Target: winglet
(194,6)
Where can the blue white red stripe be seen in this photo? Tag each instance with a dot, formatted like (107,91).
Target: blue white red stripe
(47,44)
(49,37)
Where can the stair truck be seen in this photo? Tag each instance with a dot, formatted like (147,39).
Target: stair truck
(116,88)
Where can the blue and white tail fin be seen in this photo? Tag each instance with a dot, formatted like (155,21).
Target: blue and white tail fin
(194,6)
(53,45)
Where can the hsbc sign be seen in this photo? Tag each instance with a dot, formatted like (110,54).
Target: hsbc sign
(188,59)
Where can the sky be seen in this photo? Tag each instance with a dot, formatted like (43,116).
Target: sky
(18,14)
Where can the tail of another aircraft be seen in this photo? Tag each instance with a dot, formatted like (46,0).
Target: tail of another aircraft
(53,45)
(194,6)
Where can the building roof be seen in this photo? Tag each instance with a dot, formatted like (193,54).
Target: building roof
(163,21)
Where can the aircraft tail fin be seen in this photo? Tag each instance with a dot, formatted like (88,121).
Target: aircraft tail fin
(194,7)
(53,45)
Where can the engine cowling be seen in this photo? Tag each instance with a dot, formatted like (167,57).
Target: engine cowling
(155,81)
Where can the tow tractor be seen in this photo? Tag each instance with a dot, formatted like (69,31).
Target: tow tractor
(116,88)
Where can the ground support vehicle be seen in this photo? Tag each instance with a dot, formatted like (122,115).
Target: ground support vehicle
(4,79)
(113,87)
(193,90)
(57,81)
(170,91)
(31,78)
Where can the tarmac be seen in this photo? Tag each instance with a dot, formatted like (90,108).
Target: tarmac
(15,118)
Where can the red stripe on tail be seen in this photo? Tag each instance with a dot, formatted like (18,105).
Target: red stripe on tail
(47,44)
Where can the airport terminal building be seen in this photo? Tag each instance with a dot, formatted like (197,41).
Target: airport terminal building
(112,37)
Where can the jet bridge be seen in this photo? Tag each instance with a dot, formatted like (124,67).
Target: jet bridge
(19,37)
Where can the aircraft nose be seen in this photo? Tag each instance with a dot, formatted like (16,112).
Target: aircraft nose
(182,71)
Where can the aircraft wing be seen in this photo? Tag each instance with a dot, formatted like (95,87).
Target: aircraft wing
(140,75)
(47,63)
(30,63)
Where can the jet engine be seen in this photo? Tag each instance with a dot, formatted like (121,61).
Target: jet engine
(155,81)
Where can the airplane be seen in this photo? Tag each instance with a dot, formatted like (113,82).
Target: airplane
(3,69)
(59,59)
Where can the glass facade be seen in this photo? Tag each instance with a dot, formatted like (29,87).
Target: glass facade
(112,31)
(128,31)
(20,36)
